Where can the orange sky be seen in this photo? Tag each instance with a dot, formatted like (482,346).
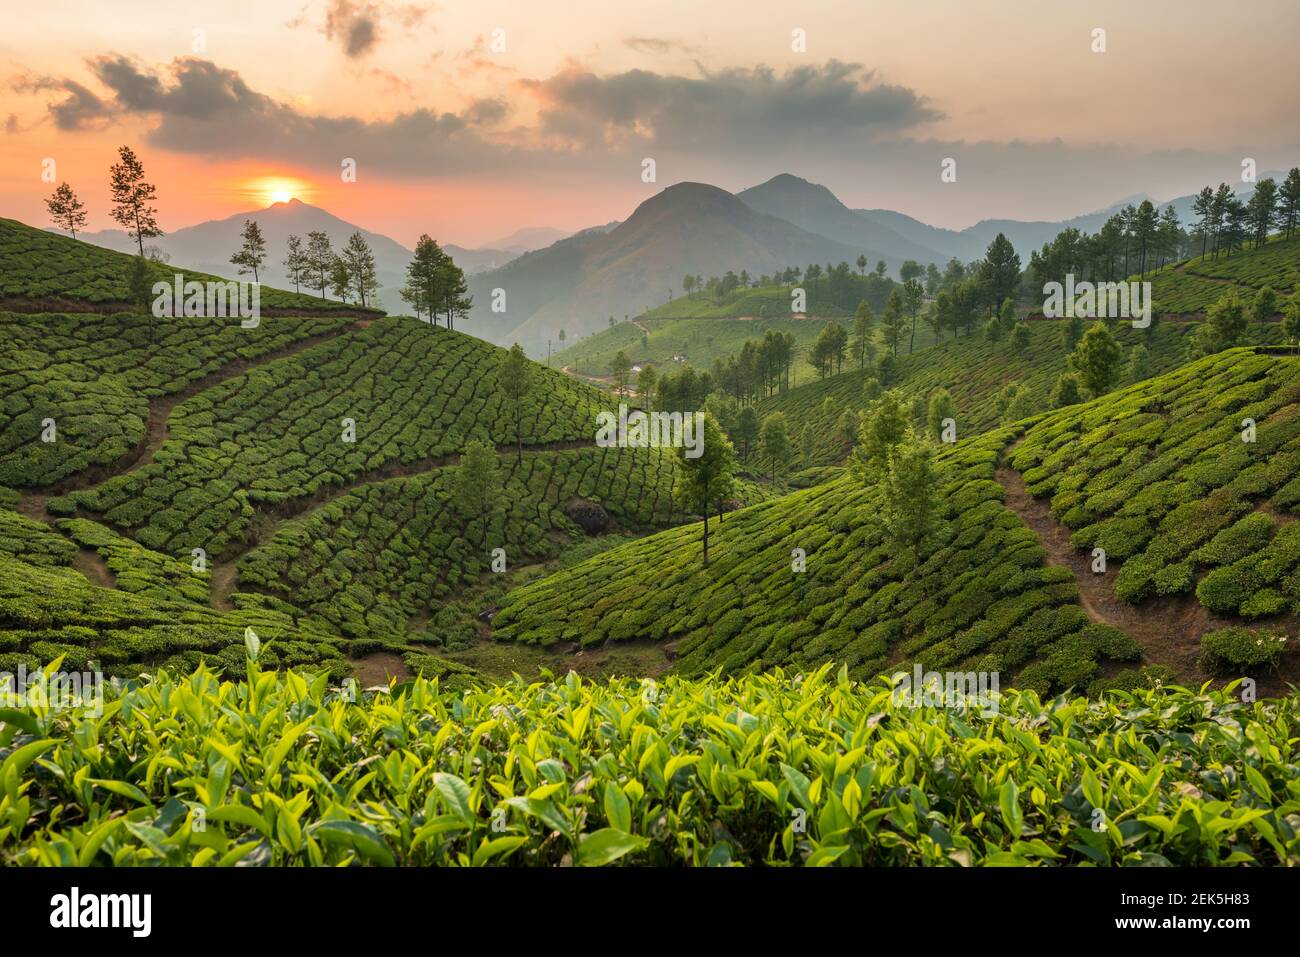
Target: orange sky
(551,130)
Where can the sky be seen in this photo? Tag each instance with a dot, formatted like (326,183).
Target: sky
(471,120)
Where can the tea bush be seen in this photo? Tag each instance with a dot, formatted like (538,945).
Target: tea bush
(94,376)
(275,434)
(773,769)
(1237,649)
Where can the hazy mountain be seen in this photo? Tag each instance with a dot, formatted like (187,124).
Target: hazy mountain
(529,238)
(815,208)
(577,283)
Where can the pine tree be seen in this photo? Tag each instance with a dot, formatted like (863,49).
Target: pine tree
(477,486)
(66,210)
(133,198)
(320,259)
(360,263)
(295,262)
(252,253)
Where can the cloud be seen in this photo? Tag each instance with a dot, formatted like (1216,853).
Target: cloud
(11,124)
(81,109)
(743,107)
(355,25)
(659,45)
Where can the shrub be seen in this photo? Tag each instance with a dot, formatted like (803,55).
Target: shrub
(1240,648)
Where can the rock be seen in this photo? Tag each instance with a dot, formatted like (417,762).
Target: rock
(588,516)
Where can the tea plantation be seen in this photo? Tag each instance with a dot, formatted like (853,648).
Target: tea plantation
(395,395)
(1192,480)
(94,376)
(684,772)
(44,271)
(974,371)
(1155,474)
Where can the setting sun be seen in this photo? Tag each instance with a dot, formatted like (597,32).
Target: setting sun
(268,190)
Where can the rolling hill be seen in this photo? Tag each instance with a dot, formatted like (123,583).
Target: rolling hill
(1150,473)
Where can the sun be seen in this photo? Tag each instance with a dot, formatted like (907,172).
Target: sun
(276,189)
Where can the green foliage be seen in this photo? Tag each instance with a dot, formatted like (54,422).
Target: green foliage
(1229,649)
(629,772)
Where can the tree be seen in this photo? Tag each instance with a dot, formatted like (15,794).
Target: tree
(881,428)
(941,407)
(776,443)
(1288,213)
(911,269)
(455,289)
(1068,391)
(252,253)
(295,262)
(646,381)
(1203,206)
(1072,332)
(133,198)
(1264,306)
(340,279)
(708,478)
(933,279)
(1226,320)
(862,265)
(893,322)
(1291,317)
(515,381)
(806,445)
(424,277)
(477,486)
(746,432)
(561,337)
(1096,358)
(618,367)
(913,294)
(66,211)
(862,328)
(1000,271)
(1261,210)
(139,290)
(1020,336)
(320,259)
(1138,366)
(688,283)
(910,486)
(360,262)
(881,268)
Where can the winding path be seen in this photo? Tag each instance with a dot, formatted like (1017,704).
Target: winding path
(1169,629)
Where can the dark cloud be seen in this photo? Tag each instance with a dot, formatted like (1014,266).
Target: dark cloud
(659,45)
(355,25)
(11,124)
(736,107)
(80,110)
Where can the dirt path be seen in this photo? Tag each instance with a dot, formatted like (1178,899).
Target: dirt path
(1168,629)
(160,410)
(32,501)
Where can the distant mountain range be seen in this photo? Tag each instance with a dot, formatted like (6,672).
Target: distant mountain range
(553,281)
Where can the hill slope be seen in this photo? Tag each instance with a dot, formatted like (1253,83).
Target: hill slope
(982,597)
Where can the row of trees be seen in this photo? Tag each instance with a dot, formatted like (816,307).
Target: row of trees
(1226,222)
(435,285)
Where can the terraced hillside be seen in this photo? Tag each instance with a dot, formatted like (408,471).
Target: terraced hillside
(393,398)
(1191,287)
(109,390)
(1171,474)
(975,372)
